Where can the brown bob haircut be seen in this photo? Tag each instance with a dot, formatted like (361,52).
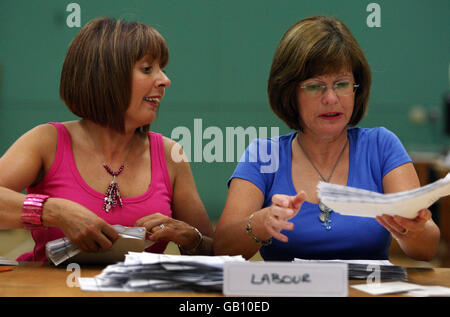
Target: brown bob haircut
(315,46)
(97,71)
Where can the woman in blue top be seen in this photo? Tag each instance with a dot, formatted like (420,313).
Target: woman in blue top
(319,85)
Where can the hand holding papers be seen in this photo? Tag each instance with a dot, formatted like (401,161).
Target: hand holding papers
(359,202)
(130,239)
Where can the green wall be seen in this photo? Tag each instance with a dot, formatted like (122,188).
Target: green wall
(221,53)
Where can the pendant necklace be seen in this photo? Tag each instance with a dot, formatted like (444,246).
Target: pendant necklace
(112,196)
(325,211)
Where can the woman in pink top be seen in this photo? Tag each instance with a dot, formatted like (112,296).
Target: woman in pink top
(106,168)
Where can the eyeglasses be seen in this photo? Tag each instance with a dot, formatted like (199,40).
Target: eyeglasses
(341,88)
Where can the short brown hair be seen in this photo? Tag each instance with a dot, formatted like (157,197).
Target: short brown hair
(315,46)
(97,71)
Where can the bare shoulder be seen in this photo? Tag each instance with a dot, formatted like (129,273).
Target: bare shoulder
(41,136)
(177,162)
(45,140)
(168,143)
(174,152)
(29,157)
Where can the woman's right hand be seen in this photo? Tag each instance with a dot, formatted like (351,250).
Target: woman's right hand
(283,208)
(86,230)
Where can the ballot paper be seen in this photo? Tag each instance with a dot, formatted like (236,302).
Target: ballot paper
(386,288)
(363,203)
(147,272)
(130,239)
(368,269)
(408,289)
(430,291)
(5,261)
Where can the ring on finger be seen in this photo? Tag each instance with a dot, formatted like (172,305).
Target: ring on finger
(404,232)
(162,226)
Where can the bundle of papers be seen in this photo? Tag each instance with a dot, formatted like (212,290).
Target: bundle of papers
(5,261)
(368,269)
(130,239)
(359,202)
(147,272)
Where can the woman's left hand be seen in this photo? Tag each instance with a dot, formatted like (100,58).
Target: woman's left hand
(401,227)
(161,227)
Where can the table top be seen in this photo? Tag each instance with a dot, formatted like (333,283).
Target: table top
(39,279)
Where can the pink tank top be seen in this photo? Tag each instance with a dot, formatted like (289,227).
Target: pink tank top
(63,180)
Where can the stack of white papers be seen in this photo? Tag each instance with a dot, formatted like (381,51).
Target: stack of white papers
(359,202)
(364,269)
(130,239)
(5,261)
(147,272)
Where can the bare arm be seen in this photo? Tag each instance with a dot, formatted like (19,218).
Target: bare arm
(422,235)
(245,198)
(188,210)
(24,164)
(21,166)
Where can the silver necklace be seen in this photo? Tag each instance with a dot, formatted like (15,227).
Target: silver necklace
(325,211)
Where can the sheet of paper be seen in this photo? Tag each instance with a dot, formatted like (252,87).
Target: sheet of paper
(386,288)
(5,261)
(90,284)
(359,202)
(408,289)
(152,258)
(363,262)
(430,291)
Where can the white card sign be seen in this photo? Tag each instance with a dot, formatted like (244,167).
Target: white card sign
(285,279)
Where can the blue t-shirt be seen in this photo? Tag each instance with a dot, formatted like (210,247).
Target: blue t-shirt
(373,153)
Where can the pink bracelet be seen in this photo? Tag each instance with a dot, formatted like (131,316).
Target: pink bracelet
(32,211)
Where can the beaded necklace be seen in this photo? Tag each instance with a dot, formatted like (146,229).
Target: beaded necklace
(112,196)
